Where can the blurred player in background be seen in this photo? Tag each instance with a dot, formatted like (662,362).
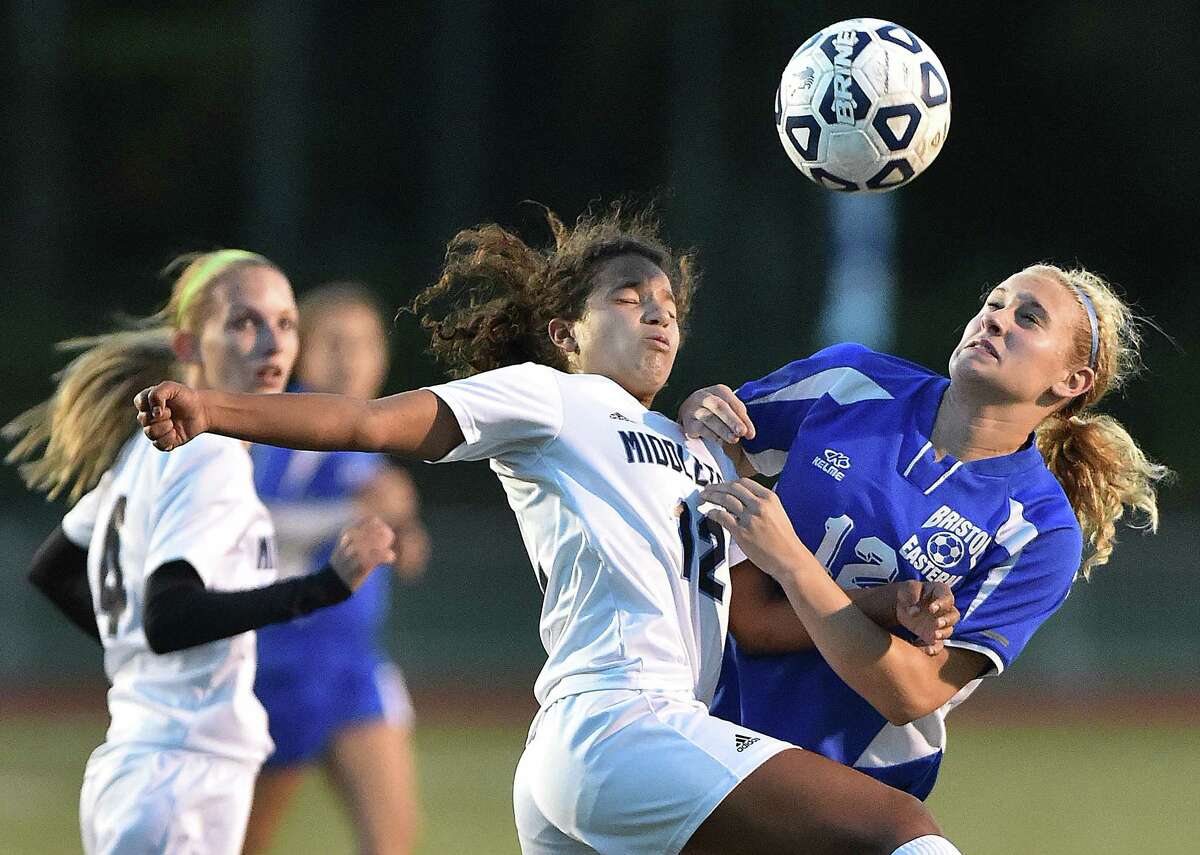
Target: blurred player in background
(169,560)
(562,353)
(352,714)
(999,482)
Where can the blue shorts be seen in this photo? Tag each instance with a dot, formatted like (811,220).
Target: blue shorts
(308,703)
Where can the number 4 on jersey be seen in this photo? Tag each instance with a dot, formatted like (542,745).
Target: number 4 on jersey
(696,530)
(112,580)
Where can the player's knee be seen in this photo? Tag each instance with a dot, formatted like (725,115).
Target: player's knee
(910,819)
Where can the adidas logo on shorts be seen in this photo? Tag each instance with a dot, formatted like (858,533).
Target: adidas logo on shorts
(741,743)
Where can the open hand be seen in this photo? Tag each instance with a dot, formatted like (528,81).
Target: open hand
(361,548)
(170,414)
(756,519)
(927,610)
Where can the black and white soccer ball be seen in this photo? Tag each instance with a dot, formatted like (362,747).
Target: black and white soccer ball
(945,549)
(863,106)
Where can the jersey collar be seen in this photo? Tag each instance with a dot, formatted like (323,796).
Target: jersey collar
(916,462)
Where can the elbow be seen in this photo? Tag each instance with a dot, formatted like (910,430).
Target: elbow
(902,709)
(370,429)
(155,641)
(763,639)
(901,717)
(158,636)
(755,645)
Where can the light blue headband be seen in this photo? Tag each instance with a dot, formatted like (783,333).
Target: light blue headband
(1093,322)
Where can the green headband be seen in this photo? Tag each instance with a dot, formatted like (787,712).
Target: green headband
(210,269)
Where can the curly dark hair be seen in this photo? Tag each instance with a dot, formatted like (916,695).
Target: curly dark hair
(496,295)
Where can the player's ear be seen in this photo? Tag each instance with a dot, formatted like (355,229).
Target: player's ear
(562,333)
(1077,383)
(186,346)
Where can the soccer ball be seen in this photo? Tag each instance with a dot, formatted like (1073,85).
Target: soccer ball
(945,549)
(863,106)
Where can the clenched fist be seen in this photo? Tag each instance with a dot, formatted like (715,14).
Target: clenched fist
(927,610)
(361,548)
(170,414)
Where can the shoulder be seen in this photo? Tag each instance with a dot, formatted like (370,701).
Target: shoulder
(882,367)
(848,372)
(509,374)
(511,386)
(1038,510)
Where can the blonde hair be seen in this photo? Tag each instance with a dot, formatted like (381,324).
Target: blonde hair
(1099,465)
(64,444)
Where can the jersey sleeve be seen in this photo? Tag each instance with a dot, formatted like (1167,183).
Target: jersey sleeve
(203,509)
(1017,596)
(80,521)
(779,402)
(502,410)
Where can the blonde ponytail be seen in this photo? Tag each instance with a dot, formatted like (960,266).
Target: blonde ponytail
(1099,465)
(63,445)
(1102,471)
(89,417)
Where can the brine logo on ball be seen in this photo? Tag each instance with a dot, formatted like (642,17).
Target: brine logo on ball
(863,106)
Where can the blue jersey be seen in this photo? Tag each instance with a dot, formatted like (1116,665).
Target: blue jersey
(310,497)
(847,431)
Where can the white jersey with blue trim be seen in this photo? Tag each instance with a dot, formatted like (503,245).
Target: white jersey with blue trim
(847,431)
(196,504)
(606,495)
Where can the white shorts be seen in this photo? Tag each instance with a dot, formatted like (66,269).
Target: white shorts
(628,772)
(137,802)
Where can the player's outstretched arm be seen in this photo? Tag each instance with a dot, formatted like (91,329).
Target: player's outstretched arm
(414,424)
(900,681)
(180,612)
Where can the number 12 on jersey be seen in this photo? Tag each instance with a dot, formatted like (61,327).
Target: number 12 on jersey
(703,550)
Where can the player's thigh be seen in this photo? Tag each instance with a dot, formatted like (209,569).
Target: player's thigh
(164,801)
(798,801)
(371,765)
(630,772)
(273,792)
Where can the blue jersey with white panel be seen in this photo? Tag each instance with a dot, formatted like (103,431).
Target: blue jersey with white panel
(847,431)
(310,496)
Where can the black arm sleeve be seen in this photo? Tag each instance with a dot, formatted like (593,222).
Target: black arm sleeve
(180,612)
(59,571)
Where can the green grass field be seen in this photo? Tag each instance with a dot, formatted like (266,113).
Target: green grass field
(1003,790)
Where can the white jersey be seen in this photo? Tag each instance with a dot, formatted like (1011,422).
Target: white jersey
(606,494)
(196,504)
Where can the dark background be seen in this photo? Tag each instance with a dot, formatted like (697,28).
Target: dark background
(352,140)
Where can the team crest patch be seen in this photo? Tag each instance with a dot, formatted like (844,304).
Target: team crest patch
(948,552)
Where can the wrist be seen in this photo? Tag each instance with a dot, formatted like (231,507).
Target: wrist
(878,603)
(208,403)
(332,582)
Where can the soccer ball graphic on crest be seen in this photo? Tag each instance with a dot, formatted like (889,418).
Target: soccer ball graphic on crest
(863,106)
(945,549)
